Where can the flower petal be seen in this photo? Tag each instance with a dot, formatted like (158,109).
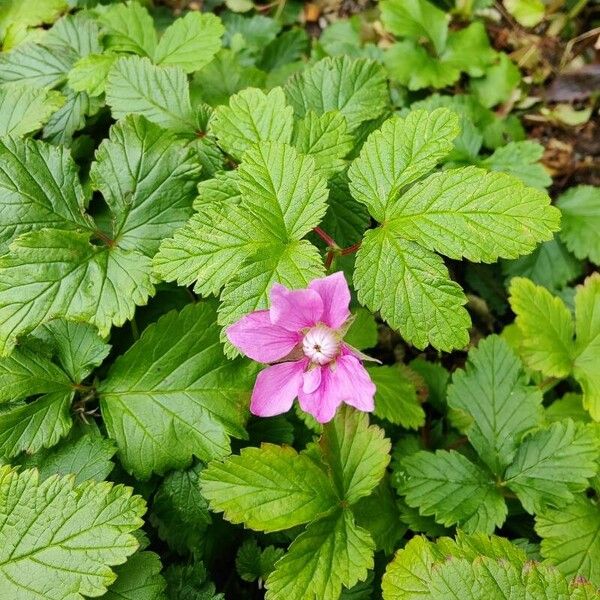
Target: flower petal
(324,401)
(259,339)
(354,384)
(312,379)
(276,387)
(295,309)
(335,295)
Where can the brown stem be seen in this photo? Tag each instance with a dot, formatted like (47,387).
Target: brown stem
(350,249)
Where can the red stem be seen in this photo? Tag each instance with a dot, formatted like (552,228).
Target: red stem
(350,249)
(325,237)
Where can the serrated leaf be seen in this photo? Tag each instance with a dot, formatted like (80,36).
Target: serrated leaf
(87,530)
(160,94)
(78,32)
(498,83)
(252,117)
(454,490)
(570,538)
(89,74)
(190,42)
(356,453)
(138,579)
(586,367)
(148,179)
(357,88)
(189,582)
(268,488)
(15,13)
(546,327)
(53,273)
(580,208)
(130,28)
(180,512)
(331,553)
(396,398)
(25,109)
(70,117)
(252,563)
(473,214)
(398,154)
(411,288)
(552,464)
(173,394)
(40,188)
(492,394)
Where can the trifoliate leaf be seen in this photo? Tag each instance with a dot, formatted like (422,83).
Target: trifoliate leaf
(552,464)
(268,488)
(54,273)
(416,19)
(25,109)
(357,88)
(521,160)
(40,188)
(251,117)
(180,512)
(473,214)
(129,28)
(546,327)
(37,65)
(356,453)
(580,208)
(84,453)
(396,398)
(138,579)
(160,94)
(190,42)
(160,414)
(87,529)
(89,74)
(454,490)
(491,394)
(148,179)
(550,265)
(586,367)
(252,563)
(398,154)
(498,83)
(570,538)
(411,288)
(331,553)
(325,138)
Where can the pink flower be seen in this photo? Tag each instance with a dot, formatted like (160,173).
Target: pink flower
(302,332)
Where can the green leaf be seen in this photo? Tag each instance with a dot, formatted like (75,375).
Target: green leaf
(587,347)
(468,50)
(580,208)
(173,395)
(357,88)
(570,538)
(87,530)
(473,214)
(362,333)
(552,464)
(252,563)
(180,512)
(78,32)
(416,19)
(148,179)
(84,453)
(325,138)
(191,42)
(546,327)
(40,188)
(356,453)
(550,265)
(138,579)
(411,288)
(521,160)
(398,154)
(130,28)
(54,273)
(251,117)
(331,553)
(570,406)
(498,83)
(14,13)
(527,12)
(286,48)
(454,490)
(24,109)
(396,398)
(161,94)
(189,582)
(491,394)
(268,488)
(89,74)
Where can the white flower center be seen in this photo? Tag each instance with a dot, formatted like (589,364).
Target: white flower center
(321,344)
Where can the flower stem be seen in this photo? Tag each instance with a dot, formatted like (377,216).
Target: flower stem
(325,237)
